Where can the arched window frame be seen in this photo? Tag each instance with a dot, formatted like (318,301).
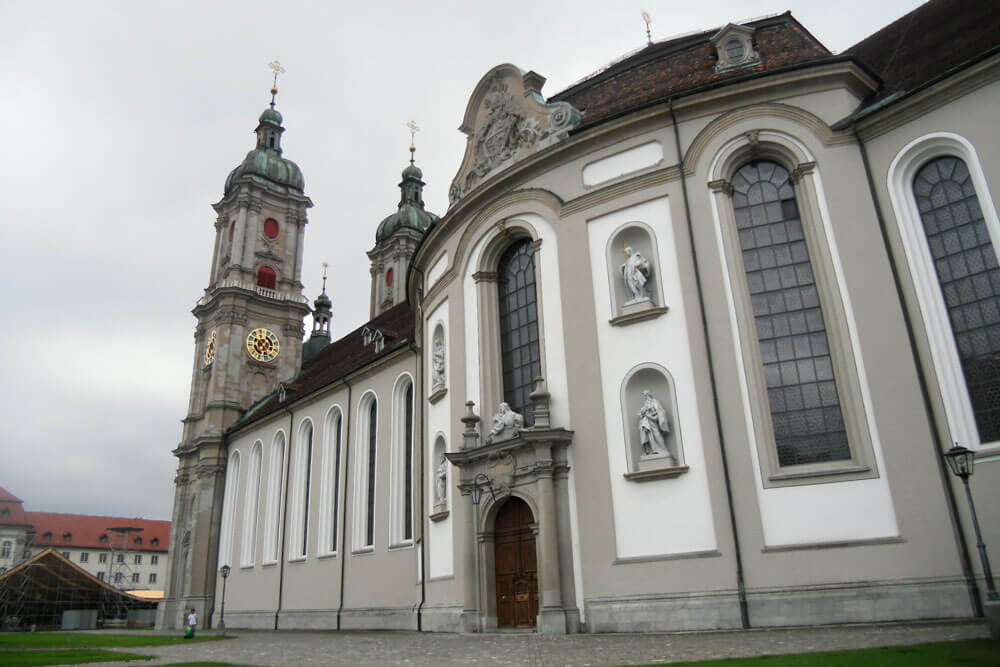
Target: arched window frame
(509,233)
(841,329)
(944,354)
(251,505)
(229,504)
(275,489)
(365,483)
(301,487)
(401,480)
(266,277)
(330,484)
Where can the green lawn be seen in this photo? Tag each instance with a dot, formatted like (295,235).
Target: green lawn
(90,639)
(968,652)
(30,658)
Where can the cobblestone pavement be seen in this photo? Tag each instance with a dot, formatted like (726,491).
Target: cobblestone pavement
(294,648)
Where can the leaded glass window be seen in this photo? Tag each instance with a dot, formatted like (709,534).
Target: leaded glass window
(791,333)
(520,358)
(966,265)
(336,484)
(408,467)
(372,425)
(306,478)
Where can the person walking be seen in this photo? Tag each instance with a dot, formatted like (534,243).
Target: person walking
(192,623)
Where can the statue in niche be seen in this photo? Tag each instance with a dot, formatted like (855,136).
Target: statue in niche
(654,426)
(636,272)
(437,363)
(441,481)
(506,424)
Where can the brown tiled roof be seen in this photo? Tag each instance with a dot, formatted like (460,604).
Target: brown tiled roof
(927,43)
(85,531)
(686,63)
(339,359)
(12,510)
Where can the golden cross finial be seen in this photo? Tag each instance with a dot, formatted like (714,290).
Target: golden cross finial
(648,19)
(324,276)
(275,67)
(413,134)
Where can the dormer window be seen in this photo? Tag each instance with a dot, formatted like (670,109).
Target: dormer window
(734,47)
(104,539)
(47,536)
(155,542)
(67,537)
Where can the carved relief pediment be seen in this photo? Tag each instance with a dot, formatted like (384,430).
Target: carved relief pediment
(506,120)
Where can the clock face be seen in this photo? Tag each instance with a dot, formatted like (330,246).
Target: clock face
(262,344)
(210,348)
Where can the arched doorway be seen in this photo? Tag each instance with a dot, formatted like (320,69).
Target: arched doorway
(516,566)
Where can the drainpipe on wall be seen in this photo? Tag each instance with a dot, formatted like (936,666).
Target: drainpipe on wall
(740,586)
(342,546)
(419,394)
(284,519)
(949,493)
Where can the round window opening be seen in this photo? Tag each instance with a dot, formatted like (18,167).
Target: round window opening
(271,228)
(388,277)
(734,50)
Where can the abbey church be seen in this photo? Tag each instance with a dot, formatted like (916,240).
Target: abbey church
(684,352)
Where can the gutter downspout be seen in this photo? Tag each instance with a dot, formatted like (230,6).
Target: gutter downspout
(740,585)
(423,413)
(284,519)
(957,527)
(342,546)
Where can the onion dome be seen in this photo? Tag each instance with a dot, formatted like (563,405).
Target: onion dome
(411,213)
(265,161)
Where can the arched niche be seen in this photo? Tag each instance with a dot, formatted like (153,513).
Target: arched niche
(438,364)
(440,479)
(653,440)
(634,274)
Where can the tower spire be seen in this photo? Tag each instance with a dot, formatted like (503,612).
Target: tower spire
(413,132)
(275,66)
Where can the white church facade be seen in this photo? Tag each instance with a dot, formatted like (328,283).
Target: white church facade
(684,353)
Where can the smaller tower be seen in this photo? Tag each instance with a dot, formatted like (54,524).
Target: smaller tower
(397,238)
(320,336)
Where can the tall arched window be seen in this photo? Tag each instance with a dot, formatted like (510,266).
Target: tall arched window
(266,277)
(330,496)
(302,459)
(401,518)
(791,332)
(229,510)
(517,301)
(272,520)
(363,523)
(251,503)
(370,496)
(965,262)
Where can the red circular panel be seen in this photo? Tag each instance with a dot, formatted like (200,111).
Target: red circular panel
(271,228)
(388,277)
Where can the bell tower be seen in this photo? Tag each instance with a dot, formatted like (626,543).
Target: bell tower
(248,338)
(398,236)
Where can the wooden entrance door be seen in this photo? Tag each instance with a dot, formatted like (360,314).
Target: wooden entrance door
(516,566)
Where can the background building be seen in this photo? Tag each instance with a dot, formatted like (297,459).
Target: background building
(131,554)
(683,353)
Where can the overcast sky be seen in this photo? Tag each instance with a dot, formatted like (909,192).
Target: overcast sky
(120,123)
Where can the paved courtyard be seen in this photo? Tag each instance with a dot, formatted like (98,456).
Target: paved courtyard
(290,648)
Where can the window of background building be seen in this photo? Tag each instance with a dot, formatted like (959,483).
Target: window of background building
(119,577)
(5,550)
(153,560)
(120,558)
(84,557)
(138,559)
(100,575)
(152,577)
(65,555)
(102,558)
(135,577)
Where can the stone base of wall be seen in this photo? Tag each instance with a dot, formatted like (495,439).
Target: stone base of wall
(860,602)
(379,618)
(856,602)
(663,613)
(171,613)
(442,618)
(253,620)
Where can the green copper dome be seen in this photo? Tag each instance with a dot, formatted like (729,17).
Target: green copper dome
(265,161)
(411,213)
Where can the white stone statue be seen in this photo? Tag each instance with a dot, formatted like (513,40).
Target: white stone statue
(506,424)
(441,482)
(636,272)
(654,426)
(437,363)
